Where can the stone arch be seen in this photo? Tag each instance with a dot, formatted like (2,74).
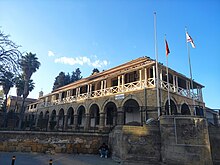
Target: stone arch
(70,116)
(92,103)
(46,115)
(53,115)
(132,114)
(60,122)
(110,111)
(133,98)
(79,106)
(173,107)
(40,120)
(106,102)
(46,118)
(41,115)
(199,111)
(53,121)
(81,116)
(94,112)
(185,109)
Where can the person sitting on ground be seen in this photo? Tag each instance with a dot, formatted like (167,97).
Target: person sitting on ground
(103,150)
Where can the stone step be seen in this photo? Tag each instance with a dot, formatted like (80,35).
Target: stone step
(140,163)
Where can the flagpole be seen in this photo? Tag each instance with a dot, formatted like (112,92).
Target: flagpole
(156,56)
(168,83)
(190,70)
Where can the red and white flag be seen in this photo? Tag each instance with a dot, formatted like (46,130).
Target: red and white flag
(167,48)
(189,39)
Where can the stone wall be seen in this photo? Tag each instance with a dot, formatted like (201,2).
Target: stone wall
(184,140)
(135,143)
(214,137)
(51,142)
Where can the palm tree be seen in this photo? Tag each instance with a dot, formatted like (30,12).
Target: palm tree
(29,64)
(19,84)
(7,81)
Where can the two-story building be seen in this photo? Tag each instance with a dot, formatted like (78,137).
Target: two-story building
(123,95)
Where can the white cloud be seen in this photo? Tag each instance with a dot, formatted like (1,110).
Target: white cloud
(50,53)
(81,61)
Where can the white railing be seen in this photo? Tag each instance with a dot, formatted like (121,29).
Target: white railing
(132,86)
(97,93)
(151,82)
(179,90)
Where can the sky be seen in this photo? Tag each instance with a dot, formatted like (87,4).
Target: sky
(87,34)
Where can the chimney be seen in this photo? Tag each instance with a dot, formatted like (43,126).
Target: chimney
(41,93)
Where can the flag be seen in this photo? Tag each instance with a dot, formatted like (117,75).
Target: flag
(189,39)
(167,48)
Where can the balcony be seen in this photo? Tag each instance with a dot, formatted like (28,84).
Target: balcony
(128,87)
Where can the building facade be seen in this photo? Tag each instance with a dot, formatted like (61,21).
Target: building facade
(123,95)
(14,103)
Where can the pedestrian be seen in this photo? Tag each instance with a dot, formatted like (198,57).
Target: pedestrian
(104,150)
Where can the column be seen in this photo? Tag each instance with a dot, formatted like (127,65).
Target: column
(187,88)
(161,78)
(201,97)
(71,92)
(154,77)
(88,90)
(65,126)
(123,82)
(140,77)
(102,121)
(119,77)
(37,118)
(174,83)
(75,122)
(177,86)
(76,92)
(58,122)
(120,118)
(145,77)
(60,97)
(53,98)
(105,84)
(102,87)
(87,122)
(46,100)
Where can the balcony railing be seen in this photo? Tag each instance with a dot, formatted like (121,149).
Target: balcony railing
(128,87)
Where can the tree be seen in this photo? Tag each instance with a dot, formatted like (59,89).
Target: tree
(67,79)
(9,55)
(64,79)
(29,64)
(7,81)
(59,80)
(76,75)
(95,70)
(19,84)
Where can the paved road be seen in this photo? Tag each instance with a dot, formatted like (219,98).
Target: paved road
(58,159)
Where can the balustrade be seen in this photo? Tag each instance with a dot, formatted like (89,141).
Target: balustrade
(132,86)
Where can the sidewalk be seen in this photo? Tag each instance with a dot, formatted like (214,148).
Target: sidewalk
(58,159)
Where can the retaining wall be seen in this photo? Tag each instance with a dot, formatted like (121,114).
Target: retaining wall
(51,142)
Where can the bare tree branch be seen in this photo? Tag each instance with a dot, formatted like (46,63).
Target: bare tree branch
(9,54)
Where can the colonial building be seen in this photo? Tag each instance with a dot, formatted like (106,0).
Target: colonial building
(14,103)
(123,95)
(212,116)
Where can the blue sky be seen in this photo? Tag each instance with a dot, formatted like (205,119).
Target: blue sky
(69,34)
